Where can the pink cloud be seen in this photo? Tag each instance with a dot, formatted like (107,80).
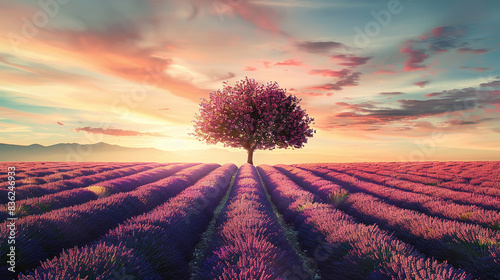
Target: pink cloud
(439,40)
(249,68)
(116,50)
(415,57)
(260,16)
(290,62)
(59,123)
(116,132)
(383,71)
(438,31)
(432,94)
(473,51)
(266,64)
(421,83)
(478,69)
(329,73)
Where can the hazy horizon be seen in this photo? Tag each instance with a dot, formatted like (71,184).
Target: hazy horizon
(385,80)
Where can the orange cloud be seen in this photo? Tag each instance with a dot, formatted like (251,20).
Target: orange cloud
(329,73)
(290,62)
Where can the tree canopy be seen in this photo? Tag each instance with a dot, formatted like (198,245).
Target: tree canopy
(254,117)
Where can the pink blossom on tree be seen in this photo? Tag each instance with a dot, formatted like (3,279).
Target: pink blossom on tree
(253,117)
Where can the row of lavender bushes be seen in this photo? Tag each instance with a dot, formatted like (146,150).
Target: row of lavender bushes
(57,174)
(50,202)
(484,201)
(344,248)
(479,184)
(249,242)
(29,191)
(468,246)
(44,236)
(428,204)
(29,173)
(155,245)
(445,173)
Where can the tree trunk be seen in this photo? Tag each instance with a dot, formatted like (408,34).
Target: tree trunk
(250,156)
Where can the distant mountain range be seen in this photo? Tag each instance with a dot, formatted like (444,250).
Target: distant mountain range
(108,153)
(79,152)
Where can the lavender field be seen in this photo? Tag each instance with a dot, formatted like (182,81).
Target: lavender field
(92,220)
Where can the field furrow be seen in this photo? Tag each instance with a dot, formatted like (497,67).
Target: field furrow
(30,191)
(484,201)
(343,248)
(155,245)
(430,205)
(459,186)
(50,202)
(45,235)
(249,243)
(145,220)
(470,247)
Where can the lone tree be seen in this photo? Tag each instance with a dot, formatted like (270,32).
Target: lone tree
(253,117)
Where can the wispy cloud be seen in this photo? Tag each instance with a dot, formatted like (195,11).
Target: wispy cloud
(495,83)
(422,83)
(478,69)
(330,73)
(350,60)
(415,57)
(391,93)
(454,101)
(290,62)
(345,81)
(384,71)
(438,40)
(473,51)
(319,47)
(116,132)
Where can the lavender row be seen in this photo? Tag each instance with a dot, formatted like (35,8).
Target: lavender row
(249,243)
(471,247)
(487,202)
(155,245)
(479,189)
(75,171)
(36,169)
(431,205)
(50,202)
(28,191)
(471,172)
(24,170)
(58,176)
(486,187)
(459,172)
(343,248)
(44,236)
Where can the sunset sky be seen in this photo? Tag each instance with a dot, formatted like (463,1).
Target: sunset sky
(385,80)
